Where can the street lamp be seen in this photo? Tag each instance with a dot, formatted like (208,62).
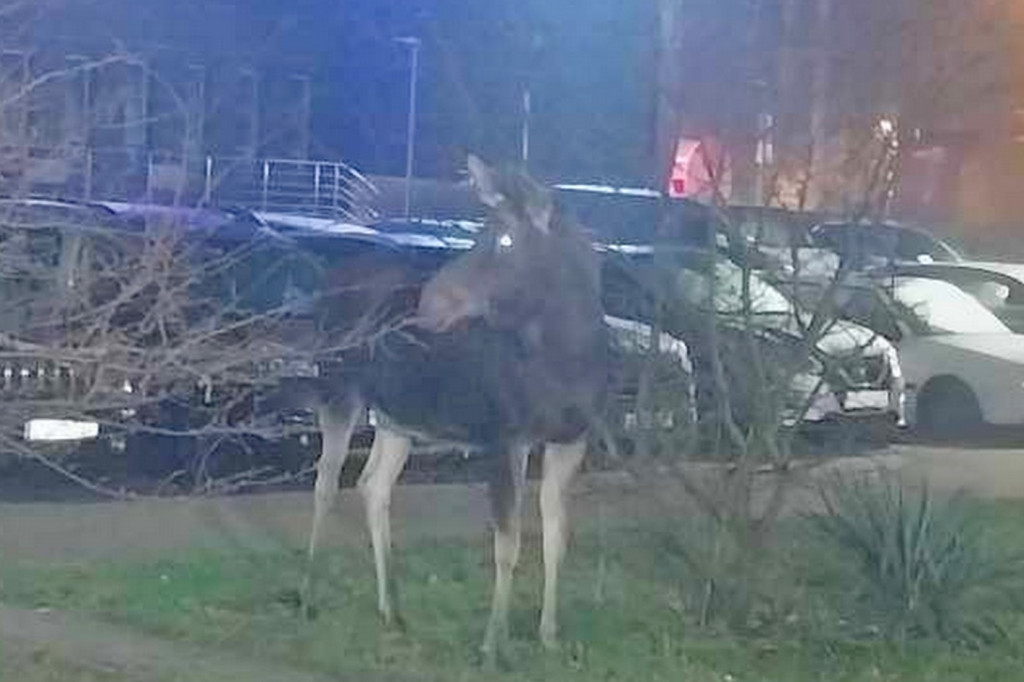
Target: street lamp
(410,143)
(529,68)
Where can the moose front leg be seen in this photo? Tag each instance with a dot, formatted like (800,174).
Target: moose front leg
(337,422)
(561,462)
(388,455)
(506,490)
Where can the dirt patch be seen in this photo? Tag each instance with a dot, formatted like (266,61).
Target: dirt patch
(275,521)
(280,521)
(101,651)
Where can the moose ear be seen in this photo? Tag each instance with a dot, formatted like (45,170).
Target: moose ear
(484,181)
(539,206)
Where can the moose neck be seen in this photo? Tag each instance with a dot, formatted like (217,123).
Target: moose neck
(564,288)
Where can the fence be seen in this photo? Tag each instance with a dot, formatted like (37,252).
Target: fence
(318,188)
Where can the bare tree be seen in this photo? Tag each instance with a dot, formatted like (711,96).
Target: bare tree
(129,322)
(758,391)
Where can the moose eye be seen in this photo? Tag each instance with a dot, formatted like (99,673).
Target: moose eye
(505,241)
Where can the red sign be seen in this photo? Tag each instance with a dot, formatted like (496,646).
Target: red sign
(701,171)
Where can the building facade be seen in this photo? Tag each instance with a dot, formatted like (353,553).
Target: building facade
(97,97)
(104,91)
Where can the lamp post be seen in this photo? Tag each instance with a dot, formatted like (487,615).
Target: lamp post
(410,142)
(524,142)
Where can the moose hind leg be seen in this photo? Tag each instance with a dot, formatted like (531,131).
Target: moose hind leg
(337,422)
(506,490)
(561,462)
(387,459)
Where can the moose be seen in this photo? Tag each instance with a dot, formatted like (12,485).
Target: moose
(505,350)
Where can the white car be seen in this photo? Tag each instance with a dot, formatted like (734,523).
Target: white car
(998,286)
(855,371)
(962,365)
(631,342)
(818,252)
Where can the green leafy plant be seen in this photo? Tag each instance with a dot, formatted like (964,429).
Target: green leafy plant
(926,563)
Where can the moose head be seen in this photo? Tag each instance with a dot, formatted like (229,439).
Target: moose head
(521,253)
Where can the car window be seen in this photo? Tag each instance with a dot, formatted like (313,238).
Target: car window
(944,308)
(857,241)
(912,245)
(28,252)
(764,298)
(865,307)
(879,241)
(771,231)
(882,241)
(829,236)
(613,218)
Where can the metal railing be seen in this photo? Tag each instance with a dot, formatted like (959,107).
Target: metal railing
(318,188)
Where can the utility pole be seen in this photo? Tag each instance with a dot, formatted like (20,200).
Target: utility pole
(531,65)
(410,142)
(524,145)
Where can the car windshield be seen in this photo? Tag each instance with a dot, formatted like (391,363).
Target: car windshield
(913,245)
(771,231)
(944,308)
(885,241)
(613,218)
(631,216)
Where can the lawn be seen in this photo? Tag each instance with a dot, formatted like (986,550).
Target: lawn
(625,614)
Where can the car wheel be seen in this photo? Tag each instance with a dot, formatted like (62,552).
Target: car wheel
(948,409)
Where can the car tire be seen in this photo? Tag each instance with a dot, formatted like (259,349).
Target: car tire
(947,409)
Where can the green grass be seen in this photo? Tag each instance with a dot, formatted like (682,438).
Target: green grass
(623,618)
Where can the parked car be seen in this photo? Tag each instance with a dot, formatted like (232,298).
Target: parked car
(998,286)
(865,244)
(962,365)
(48,250)
(851,374)
(780,243)
(60,257)
(776,240)
(864,377)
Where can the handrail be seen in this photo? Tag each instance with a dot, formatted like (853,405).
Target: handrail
(307,186)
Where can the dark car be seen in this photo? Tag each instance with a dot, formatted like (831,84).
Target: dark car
(866,244)
(47,249)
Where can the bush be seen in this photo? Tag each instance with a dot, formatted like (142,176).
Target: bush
(926,565)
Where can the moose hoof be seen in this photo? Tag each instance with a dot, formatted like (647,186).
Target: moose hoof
(548,632)
(305,602)
(495,659)
(310,612)
(393,620)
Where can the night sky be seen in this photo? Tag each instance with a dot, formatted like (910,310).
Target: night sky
(588,64)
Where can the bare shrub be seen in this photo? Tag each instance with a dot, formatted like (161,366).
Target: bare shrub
(152,331)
